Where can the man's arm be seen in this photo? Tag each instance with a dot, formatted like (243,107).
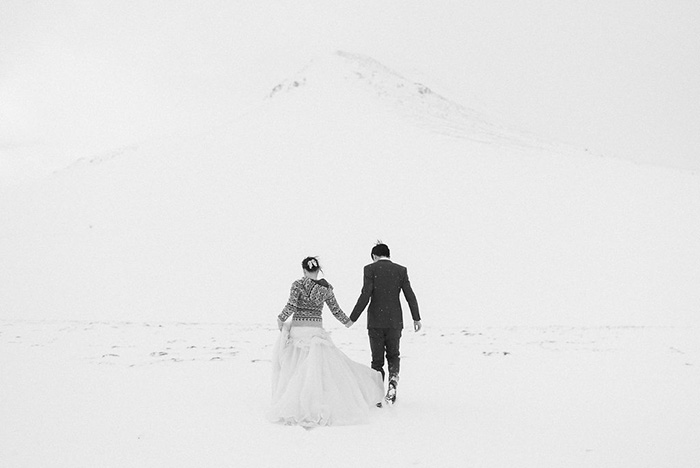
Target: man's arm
(410,298)
(363,300)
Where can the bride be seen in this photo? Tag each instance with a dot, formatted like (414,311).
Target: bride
(313,382)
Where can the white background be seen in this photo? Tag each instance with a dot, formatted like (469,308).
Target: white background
(619,78)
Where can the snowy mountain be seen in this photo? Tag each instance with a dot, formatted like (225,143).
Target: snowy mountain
(495,225)
(364,78)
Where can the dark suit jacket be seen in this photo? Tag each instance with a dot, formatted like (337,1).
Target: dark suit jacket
(383,280)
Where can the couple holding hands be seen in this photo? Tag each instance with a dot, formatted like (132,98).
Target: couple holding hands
(316,384)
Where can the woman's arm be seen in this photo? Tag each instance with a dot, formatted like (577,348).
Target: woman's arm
(335,309)
(292,303)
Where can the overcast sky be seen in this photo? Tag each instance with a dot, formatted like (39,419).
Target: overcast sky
(619,77)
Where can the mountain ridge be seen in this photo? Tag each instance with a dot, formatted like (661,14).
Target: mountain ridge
(366,77)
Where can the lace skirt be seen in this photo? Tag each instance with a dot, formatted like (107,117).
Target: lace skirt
(315,384)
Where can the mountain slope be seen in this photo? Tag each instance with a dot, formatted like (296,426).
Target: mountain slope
(494,225)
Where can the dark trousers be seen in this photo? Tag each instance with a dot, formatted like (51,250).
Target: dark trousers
(385,341)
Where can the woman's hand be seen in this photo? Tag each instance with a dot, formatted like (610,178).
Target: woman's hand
(280,324)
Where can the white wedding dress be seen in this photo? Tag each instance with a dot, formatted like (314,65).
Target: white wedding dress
(316,384)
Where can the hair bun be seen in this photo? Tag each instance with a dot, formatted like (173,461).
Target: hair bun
(310,264)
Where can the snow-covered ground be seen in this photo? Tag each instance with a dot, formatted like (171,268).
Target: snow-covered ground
(139,288)
(116,394)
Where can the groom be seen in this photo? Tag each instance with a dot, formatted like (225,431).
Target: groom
(383,280)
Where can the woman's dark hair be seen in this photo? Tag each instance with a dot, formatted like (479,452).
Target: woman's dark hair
(310,264)
(381,250)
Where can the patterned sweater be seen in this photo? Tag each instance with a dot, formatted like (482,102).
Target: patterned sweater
(306,301)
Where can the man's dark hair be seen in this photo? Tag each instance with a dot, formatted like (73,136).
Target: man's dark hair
(381,250)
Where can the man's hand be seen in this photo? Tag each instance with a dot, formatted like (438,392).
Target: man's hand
(417,325)
(349,324)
